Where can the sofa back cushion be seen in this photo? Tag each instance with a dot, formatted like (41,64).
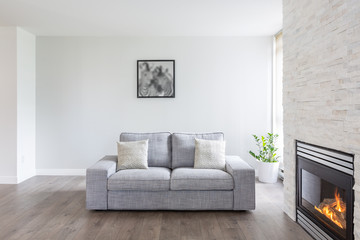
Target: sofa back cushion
(159,150)
(183,147)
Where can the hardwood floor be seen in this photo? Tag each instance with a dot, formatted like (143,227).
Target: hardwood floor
(45,207)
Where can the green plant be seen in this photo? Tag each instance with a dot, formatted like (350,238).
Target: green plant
(267,149)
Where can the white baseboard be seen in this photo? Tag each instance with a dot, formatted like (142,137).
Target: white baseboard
(8,180)
(61,172)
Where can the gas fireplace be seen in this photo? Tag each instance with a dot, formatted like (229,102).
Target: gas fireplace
(325,198)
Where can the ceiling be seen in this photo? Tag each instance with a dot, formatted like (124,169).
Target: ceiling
(143,17)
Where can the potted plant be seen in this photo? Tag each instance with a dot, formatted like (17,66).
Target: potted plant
(268,165)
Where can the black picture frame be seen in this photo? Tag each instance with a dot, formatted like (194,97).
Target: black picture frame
(155,78)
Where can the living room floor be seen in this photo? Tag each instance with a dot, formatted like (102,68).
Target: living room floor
(49,207)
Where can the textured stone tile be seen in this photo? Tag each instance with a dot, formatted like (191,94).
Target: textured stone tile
(321,89)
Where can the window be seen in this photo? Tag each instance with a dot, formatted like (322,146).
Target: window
(277,93)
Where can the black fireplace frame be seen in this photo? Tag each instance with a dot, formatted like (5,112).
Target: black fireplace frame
(332,175)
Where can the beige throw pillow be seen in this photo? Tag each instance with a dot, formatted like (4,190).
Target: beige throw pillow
(133,155)
(209,154)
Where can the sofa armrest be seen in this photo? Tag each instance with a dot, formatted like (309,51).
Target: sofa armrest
(244,182)
(96,182)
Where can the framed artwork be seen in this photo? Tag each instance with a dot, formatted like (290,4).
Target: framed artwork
(156,78)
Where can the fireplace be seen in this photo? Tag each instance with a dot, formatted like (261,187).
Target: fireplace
(325,197)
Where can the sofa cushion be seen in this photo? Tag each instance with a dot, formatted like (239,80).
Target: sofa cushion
(151,179)
(209,154)
(132,154)
(200,179)
(183,147)
(159,149)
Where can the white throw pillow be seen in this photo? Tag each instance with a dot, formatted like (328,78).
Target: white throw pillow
(133,155)
(209,154)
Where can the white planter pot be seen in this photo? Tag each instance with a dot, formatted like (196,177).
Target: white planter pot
(268,172)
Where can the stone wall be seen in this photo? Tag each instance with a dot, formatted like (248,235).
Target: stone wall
(321,91)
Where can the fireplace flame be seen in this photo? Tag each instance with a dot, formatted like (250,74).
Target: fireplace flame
(340,205)
(334,209)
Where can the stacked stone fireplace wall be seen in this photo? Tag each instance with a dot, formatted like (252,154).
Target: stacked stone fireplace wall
(321,90)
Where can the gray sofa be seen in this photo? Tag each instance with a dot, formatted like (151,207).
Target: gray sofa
(170,182)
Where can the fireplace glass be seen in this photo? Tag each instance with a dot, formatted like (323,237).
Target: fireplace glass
(325,201)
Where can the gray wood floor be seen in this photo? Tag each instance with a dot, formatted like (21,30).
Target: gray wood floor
(45,207)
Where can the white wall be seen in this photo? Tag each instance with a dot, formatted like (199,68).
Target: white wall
(25,105)
(8,103)
(17,105)
(86,93)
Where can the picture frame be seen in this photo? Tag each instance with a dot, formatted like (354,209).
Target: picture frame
(155,78)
